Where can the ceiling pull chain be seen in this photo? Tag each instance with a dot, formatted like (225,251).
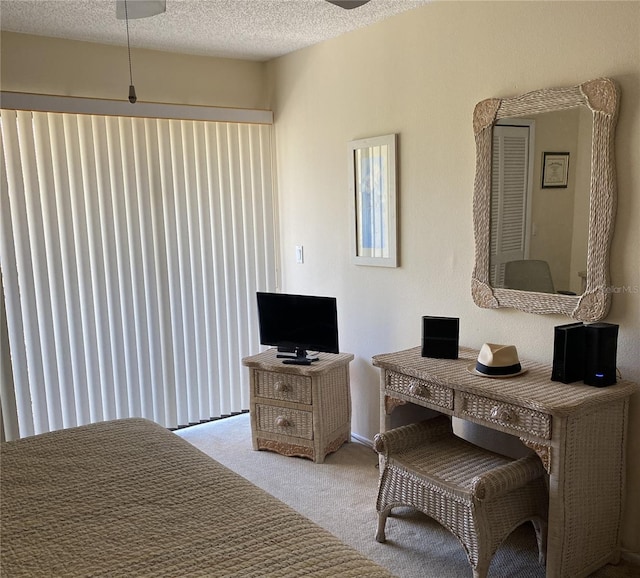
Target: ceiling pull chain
(132,89)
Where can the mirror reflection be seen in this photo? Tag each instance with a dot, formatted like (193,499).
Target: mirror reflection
(563,176)
(540,201)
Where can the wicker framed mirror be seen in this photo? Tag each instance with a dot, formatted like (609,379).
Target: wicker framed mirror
(591,303)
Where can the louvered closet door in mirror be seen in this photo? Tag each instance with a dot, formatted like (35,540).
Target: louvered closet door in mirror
(510,193)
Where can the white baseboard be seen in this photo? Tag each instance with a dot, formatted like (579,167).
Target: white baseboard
(362,440)
(632,557)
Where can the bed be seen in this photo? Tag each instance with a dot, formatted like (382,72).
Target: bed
(130,498)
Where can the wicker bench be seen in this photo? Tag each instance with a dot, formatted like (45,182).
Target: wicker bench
(480,496)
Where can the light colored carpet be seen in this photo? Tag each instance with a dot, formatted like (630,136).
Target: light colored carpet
(340,495)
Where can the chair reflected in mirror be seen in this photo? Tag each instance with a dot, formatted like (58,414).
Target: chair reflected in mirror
(530,275)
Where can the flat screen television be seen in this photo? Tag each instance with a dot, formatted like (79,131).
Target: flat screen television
(296,324)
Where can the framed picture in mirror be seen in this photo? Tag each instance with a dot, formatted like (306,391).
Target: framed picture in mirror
(555,170)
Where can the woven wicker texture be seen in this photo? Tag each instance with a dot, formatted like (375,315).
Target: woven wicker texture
(128,498)
(286,421)
(601,96)
(478,495)
(300,410)
(532,390)
(578,432)
(420,389)
(296,388)
(594,489)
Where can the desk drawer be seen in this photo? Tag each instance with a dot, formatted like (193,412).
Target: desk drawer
(283,386)
(514,417)
(284,421)
(420,390)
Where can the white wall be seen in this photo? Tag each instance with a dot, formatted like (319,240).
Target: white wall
(70,68)
(420,75)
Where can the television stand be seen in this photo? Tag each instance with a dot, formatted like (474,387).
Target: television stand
(300,410)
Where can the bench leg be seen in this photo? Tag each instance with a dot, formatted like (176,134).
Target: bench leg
(480,571)
(540,526)
(382,520)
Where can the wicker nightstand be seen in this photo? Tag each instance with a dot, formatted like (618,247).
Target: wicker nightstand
(300,410)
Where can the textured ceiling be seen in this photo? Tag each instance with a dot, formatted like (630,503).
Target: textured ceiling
(246,29)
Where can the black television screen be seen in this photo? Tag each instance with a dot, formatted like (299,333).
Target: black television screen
(297,323)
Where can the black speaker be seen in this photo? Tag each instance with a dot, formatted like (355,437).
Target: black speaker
(440,337)
(601,350)
(568,353)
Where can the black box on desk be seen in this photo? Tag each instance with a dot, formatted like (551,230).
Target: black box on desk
(440,337)
(601,350)
(568,353)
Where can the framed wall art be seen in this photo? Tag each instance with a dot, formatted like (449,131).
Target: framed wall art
(373,191)
(555,170)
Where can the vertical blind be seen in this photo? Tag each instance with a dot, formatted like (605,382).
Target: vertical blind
(131,250)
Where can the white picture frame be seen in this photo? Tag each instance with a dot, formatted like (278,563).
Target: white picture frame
(373,194)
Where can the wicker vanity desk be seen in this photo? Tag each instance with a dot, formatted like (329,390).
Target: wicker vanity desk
(300,410)
(578,431)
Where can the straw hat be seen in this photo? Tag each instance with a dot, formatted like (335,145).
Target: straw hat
(497,361)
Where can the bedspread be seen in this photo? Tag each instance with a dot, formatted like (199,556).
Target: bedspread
(129,498)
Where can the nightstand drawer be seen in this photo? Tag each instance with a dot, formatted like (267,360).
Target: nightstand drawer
(283,386)
(284,421)
(514,417)
(419,389)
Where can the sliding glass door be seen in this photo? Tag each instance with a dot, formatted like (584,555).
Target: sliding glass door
(131,250)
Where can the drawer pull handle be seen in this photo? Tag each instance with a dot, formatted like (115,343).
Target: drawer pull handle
(503,414)
(416,389)
(281,387)
(282,421)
